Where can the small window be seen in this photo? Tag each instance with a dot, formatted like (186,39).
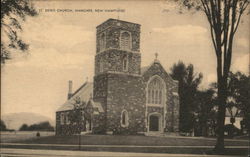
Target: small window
(124,118)
(125,63)
(102,42)
(101,65)
(62,118)
(67,118)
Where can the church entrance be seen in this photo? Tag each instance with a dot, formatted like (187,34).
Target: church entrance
(155,123)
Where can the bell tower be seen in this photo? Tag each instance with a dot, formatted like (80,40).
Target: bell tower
(118,84)
(117,47)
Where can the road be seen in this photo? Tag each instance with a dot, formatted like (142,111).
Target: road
(6,152)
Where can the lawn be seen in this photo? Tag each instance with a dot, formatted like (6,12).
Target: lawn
(130,140)
(143,144)
(7,136)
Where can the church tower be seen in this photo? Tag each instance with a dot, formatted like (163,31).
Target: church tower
(117,71)
(118,47)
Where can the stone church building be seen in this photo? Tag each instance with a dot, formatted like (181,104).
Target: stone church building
(124,97)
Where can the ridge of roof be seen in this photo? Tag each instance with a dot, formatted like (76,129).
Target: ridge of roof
(80,88)
(145,68)
(82,92)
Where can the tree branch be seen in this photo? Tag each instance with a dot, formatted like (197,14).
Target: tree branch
(241,10)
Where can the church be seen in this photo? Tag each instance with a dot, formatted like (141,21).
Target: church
(124,98)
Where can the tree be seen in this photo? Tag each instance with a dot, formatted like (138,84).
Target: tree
(24,127)
(2,126)
(188,85)
(238,91)
(42,126)
(223,17)
(78,116)
(205,103)
(13,12)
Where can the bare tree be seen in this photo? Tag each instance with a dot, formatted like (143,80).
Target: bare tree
(224,17)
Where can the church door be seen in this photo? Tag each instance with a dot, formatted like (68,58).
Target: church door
(154,121)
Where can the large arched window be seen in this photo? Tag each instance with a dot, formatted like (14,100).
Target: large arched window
(124,118)
(125,41)
(155,91)
(102,42)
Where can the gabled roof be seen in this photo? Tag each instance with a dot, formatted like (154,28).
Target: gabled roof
(156,61)
(84,93)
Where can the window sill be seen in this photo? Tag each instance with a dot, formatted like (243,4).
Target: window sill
(155,105)
(124,126)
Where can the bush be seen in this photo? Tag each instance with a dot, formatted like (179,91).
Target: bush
(232,130)
(43,126)
(2,126)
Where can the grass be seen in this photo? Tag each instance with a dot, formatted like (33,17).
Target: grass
(129,140)
(109,140)
(13,136)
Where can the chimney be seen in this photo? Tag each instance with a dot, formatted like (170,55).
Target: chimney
(70,89)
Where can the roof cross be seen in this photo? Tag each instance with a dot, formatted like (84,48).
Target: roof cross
(156,55)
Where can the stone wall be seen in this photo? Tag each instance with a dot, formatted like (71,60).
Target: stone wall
(125,92)
(67,128)
(99,123)
(100,95)
(112,61)
(172,102)
(112,29)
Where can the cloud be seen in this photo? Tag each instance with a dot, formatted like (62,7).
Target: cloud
(241,63)
(51,59)
(54,33)
(186,29)
(60,35)
(184,32)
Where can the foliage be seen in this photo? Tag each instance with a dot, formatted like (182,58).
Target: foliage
(238,91)
(188,86)
(76,116)
(13,13)
(24,127)
(205,112)
(2,126)
(43,126)
(232,130)
(223,17)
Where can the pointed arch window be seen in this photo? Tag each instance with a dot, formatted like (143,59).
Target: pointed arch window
(125,41)
(124,118)
(156,88)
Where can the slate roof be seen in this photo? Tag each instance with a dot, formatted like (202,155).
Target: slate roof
(84,93)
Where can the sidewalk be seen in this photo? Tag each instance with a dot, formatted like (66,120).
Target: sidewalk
(230,150)
(56,153)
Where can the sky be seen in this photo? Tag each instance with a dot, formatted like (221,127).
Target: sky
(62,48)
